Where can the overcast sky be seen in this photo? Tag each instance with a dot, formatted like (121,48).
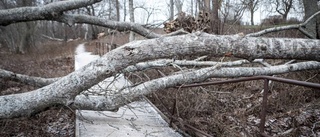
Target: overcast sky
(161,12)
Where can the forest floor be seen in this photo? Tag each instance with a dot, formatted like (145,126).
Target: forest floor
(223,110)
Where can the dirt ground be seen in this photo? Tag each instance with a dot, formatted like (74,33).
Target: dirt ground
(55,121)
(222,110)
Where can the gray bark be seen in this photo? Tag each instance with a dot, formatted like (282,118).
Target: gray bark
(65,90)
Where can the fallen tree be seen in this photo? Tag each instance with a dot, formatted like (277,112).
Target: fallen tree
(66,90)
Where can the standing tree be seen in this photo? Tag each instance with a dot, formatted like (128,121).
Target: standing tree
(252,6)
(118,10)
(179,5)
(215,16)
(283,7)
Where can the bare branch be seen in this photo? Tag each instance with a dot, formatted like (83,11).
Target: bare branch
(167,62)
(41,82)
(275,29)
(46,12)
(35,81)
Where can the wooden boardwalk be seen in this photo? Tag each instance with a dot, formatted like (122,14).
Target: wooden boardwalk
(138,119)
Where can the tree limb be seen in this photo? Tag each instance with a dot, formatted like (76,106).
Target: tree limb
(41,82)
(29,80)
(129,94)
(70,19)
(46,12)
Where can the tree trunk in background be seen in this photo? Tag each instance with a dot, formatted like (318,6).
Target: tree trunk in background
(118,10)
(200,5)
(191,5)
(26,40)
(65,32)
(196,8)
(124,10)
(207,5)
(312,27)
(171,10)
(178,4)
(131,12)
(26,33)
(215,15)
(94,32)
(251,17)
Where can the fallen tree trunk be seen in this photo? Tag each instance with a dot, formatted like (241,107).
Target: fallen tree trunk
(65,90)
